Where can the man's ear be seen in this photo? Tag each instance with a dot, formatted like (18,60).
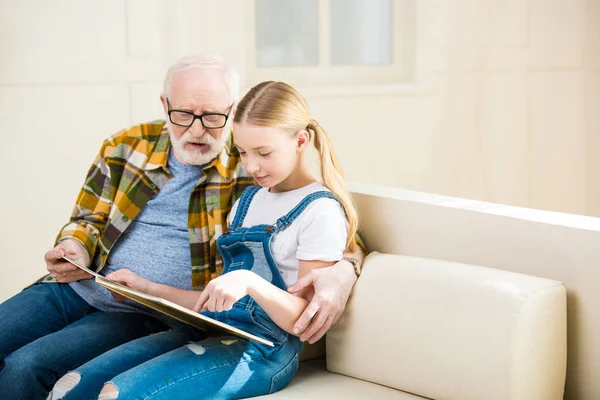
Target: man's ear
(163,100)
(302,139)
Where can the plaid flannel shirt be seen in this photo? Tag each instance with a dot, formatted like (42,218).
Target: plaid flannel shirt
(129,170)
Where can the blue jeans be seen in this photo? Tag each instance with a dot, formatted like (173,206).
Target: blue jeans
(219,367)
(95,373)
(184,363)
(48,330)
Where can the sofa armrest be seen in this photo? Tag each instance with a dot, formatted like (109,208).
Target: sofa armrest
(446,330)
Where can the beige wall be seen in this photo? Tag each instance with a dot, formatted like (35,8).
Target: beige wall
(503,108)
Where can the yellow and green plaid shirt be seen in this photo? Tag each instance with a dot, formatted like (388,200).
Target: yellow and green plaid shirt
(129,170)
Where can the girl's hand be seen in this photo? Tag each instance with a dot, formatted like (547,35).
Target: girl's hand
(129,279)
(221,293)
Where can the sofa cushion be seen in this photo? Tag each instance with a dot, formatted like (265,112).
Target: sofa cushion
(314,382)
(445,330)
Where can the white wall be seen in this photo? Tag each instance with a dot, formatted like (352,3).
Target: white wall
(503,110)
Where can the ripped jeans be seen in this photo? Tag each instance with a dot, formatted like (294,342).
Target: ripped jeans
(48,329)
(87,381)
(181,364)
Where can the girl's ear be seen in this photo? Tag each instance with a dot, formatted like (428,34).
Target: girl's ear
(302,140)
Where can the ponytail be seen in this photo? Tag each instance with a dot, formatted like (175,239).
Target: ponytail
(333,179)
(279,105)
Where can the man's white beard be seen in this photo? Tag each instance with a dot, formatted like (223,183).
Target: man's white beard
(191,157)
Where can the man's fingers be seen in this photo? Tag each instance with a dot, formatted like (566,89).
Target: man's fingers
(316,324)
(321,332)
(68,267)
(70,250)
(336,317)
(71,276)
(61,272)
(305,281)
(81,274)
(54,255)
(55,266)
(306,317)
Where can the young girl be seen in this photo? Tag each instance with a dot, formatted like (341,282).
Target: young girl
(278,232)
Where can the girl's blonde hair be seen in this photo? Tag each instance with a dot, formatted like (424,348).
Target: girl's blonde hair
(278,105)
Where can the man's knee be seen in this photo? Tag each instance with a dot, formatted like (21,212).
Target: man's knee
(64,385)
(23,362)
(109,392)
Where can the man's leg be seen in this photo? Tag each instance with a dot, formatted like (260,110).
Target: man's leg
(86,381)
(35,312)
(31,371)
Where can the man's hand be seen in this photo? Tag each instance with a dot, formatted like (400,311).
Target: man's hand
(63,271)
(332,287)
(127,278)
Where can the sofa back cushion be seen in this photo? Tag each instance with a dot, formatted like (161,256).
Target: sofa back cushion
(445,330)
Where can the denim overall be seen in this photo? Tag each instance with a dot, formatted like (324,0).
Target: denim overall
(249,249)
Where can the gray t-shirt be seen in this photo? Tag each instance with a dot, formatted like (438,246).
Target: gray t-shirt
(155,246)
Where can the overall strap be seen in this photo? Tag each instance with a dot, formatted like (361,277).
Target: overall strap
(243,205)
(285,221)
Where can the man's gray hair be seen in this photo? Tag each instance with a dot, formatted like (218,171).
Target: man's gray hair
(230,75)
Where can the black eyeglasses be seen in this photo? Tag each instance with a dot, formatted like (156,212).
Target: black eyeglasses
(208,120)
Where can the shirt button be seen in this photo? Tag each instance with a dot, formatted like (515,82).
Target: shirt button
(124,218)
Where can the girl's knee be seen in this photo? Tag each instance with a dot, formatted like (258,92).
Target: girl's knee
(64,385)
(109,392)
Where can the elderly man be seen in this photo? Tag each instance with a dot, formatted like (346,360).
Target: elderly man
(154,201)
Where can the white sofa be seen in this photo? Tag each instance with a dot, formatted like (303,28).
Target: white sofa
(424,328)
(558,246)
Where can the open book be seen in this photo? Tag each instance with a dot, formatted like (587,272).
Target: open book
(172,309)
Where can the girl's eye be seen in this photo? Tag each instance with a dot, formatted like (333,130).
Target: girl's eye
(264,154)
(242,153)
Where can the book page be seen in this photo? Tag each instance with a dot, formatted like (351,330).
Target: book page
(178,312)
(75,263)
(169,308)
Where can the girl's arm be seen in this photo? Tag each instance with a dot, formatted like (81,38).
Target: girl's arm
(284,308)
(185,298)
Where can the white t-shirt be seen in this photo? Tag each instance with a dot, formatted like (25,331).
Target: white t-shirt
(319,232)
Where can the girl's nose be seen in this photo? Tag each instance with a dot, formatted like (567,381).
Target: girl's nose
(252,168)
